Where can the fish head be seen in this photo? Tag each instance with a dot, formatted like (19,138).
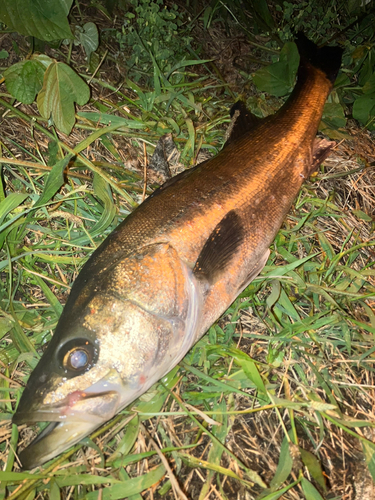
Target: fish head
(118,334)
(74,388)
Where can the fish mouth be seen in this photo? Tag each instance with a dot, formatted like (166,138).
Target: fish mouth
(70,420)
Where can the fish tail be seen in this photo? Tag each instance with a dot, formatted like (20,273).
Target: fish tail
(327,59)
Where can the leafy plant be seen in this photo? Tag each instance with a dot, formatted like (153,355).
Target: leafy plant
(260,19)
(44,20)
(152,35)
(57,85)
(278,78)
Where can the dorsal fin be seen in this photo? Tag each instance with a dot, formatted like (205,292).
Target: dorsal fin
(219,248)
(242,122)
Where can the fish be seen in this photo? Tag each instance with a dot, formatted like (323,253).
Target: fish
(157,283)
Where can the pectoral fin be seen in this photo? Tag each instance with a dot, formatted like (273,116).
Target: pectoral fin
(220,248)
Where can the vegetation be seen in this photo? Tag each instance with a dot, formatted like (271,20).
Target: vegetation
(276,400)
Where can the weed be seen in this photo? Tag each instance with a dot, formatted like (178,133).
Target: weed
(152,34)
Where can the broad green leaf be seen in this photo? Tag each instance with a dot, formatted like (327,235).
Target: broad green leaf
(44,20)
(190,143)
(369,312)
(62,87)
(369,451)
(54,490)
(326,245)
(223,387)
(124,476)
(54,181)
(12,201)
(247,364)
(285,305)
(11,454)
(107,119)
(364,109)
(19,476)
(197,462)
(49,295)
(274,295)
(6,324)
(207,16)
(125,461)
(333,115)
(342,80)
(24,80)
(284,467)
(369,86)
(77,479)
(19,338)
(311,493)
(127,441)
(278,78)
(103,192)
(89,38)
(314,467)
(362,215)
(66,4)
(187,62)
(216,451)
(277,494)
(262,14)
(128,488)
(282,270)
(42,59)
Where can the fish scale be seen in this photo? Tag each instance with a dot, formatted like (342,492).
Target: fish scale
(168,272)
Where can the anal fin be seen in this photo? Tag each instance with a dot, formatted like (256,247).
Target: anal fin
(220,247)
(254,270)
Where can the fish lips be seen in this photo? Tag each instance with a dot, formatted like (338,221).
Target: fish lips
(71,419)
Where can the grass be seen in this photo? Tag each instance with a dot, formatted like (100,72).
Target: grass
(276,400)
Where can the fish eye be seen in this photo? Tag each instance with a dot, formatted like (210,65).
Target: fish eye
(76,359)
(77,356)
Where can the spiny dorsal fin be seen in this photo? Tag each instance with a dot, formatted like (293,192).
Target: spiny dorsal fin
(220,247)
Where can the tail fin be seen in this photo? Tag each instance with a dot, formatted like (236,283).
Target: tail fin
(328,59)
